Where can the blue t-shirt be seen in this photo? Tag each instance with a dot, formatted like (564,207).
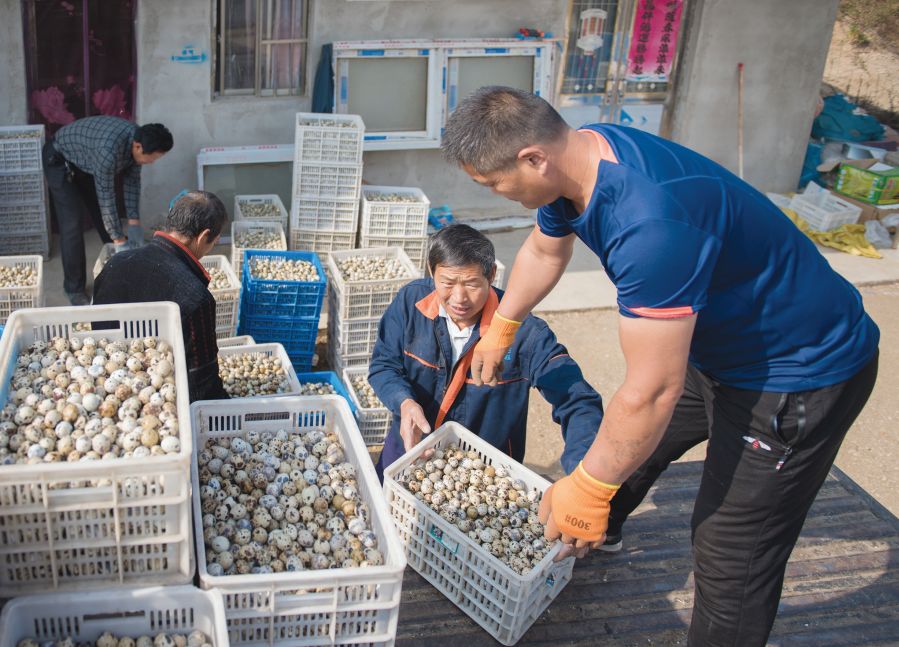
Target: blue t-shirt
(679,234)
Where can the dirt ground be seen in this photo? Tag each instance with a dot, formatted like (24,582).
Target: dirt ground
(869,455)
(864,73)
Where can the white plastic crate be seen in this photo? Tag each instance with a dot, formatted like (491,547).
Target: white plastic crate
(326,180)
(57,532)
(384,218)
(28,244)
(324,137)
(106,252)
(374,422)
(416,247)
(22,187)
(20,148)
(340,362)
(268,350)
(239,340)
(240,213)
(330,607)
(366,299)
(237,253)
(352,336)
(503,602)
(25,218)
(325,214)
(823,210)
(227,300)
(84,617)
(322,242)
(500,275)
(25,296)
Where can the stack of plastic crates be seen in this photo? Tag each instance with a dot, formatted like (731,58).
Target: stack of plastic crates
(396,216)
(354,312)
(23,193)
(283,311)
(327,177)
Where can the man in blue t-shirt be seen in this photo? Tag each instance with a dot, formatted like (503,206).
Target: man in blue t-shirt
(734,329)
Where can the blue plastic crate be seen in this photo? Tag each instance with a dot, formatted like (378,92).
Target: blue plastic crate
(297,334)
(331,378)
(302,362)
(282,298)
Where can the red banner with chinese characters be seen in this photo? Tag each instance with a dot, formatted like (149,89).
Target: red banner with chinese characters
(654,40)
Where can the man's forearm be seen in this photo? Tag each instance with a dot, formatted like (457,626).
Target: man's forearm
(631,429)
(533,276)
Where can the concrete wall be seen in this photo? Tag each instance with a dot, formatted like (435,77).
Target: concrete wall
(784,48)
(179,95)
(13,105)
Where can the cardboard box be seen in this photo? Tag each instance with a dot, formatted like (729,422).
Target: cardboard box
(876,212)
(868,180)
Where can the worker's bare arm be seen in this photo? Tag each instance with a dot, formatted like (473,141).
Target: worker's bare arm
(655,353)
(539,265)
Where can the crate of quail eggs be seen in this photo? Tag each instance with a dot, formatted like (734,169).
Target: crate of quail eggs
(371,414)
(175,616)
(283,284)
(329,138)
(254,234)
(461,505)
(394,211)
(21,279)
(225,288)
(257,370)
(286,502)
(94,425)
(324,383)
(365,281)
(260,207)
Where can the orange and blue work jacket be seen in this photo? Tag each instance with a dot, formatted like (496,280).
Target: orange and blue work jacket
(413,358)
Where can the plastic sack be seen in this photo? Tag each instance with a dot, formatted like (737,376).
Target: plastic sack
(877,234)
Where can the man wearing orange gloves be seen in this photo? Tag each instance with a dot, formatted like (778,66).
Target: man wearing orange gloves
(733,327)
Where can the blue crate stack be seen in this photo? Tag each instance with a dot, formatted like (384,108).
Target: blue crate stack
(286,312)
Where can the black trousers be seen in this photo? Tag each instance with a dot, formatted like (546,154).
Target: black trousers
(73,194)
(767,457)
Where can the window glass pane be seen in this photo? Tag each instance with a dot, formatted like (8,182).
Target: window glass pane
(111,55)
(55,54)
(391,94)
(478,71)
(281,69)
(587,61)
(239,24)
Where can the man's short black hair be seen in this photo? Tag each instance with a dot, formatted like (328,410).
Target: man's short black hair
(196,211)
(458,245)
(493,124)
(154,138)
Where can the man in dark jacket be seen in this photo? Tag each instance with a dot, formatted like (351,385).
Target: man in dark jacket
(420,365)
(169,269)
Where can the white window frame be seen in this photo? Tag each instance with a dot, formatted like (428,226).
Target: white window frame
(442,79)
(262,44)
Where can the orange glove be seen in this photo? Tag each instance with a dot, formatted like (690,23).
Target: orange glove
(578,507)
(487,357)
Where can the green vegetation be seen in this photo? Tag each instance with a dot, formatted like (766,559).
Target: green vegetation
(872,22)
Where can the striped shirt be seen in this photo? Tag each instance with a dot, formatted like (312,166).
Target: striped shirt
(101,146)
